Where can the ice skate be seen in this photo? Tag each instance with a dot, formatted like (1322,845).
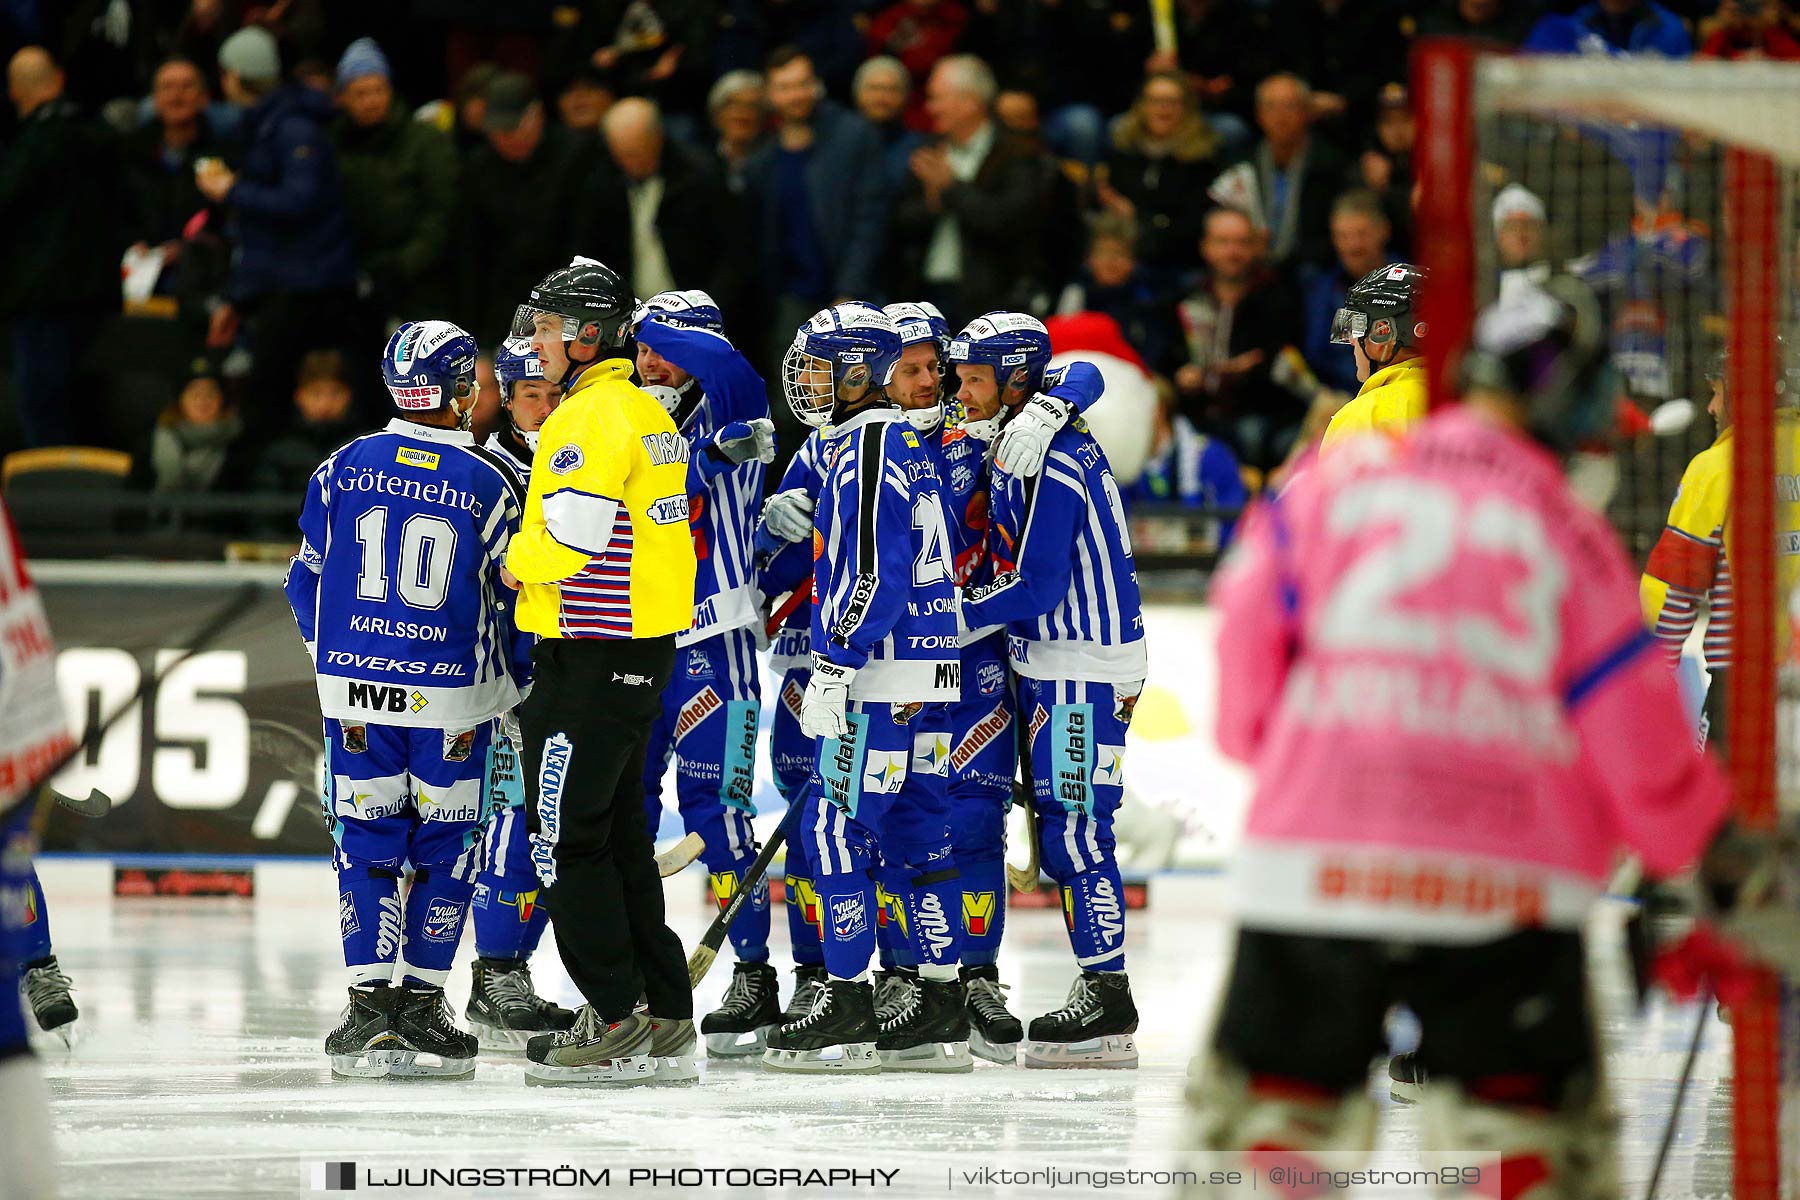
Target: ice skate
(1093,1028)
(1406,1078)
(893,987)
(926,1029)
(672,1045)
(751,1010)
(504,1009)
(808,983)
(429,1045)
(994,1033)
(47,992)
(837,1035)
(593,1051)
(359,1048)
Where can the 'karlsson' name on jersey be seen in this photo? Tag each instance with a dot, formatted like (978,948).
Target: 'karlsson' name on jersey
(883,600)
(396,587)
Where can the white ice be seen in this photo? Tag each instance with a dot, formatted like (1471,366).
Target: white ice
(198,1069)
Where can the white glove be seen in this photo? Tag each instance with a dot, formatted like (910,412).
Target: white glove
(1026,437)
(789,515)
(747,440)
(509,729)
(827,696)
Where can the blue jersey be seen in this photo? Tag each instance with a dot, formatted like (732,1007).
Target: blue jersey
(397,584)
(790,566)
(883,600)
(1064,586)
(723,499)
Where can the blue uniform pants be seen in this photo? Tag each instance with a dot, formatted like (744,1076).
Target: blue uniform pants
(711,715)
(878,810)
(403,798)
(1077,734)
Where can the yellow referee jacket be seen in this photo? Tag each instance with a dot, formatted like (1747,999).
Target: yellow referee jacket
(1390,400)
(604,549)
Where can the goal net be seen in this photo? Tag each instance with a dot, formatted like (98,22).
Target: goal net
(1670,188)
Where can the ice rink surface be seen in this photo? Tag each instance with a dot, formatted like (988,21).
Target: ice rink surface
(198,1069)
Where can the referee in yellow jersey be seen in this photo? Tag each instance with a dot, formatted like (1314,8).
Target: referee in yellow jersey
(605,570)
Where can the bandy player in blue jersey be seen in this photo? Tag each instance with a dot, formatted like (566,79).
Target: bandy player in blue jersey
(398,595)
(784,572)
(504,1009)
(712,708)
(885,669)
(984,747)
(1065,591)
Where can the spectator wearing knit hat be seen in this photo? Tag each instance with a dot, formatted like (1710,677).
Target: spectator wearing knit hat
(295,274)
(399,185)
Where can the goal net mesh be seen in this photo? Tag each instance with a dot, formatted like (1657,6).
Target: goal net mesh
(1671,189)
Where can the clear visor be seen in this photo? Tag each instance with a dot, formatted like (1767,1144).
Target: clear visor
(1348,326)
(524,323)
(807,383)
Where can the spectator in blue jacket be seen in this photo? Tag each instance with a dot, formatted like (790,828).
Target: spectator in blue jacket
(1359,238)
(881,89)
(295,273)
(1612,27)
(820,196)
(1189,469)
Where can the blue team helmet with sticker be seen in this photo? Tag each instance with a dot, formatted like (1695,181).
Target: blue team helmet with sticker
(844,346)
(940,325)
(1016,345)
(429,366)
(516,361)
(690,306)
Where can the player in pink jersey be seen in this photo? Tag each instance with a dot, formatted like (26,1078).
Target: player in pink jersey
(1432,655)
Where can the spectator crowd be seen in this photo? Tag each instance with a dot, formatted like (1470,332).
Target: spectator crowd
(278,184)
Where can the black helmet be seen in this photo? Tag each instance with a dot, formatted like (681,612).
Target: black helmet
(1381,308)
(1546,346)
(594,303)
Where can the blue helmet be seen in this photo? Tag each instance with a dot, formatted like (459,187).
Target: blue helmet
(689,307)
(516,361)
(846,345)
(939,325)
(1017,346)
(429,366)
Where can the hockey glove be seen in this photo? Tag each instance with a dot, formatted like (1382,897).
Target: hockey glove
(1026,437)
(741,441)
(788,516)
(827,696)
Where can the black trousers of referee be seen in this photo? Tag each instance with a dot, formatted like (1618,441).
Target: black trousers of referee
(602,696)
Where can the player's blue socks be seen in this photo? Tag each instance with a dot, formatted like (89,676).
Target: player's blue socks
(804,910)
(892,931)
(371,921)
(932,900)
(848,903)
(749,931)
(34,929)
(1094,910)
(983,909)
(435,907)
(508,924)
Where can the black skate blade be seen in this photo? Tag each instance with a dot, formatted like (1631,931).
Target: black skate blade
(96,804)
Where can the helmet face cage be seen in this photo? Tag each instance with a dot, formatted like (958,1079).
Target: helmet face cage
(808,383)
